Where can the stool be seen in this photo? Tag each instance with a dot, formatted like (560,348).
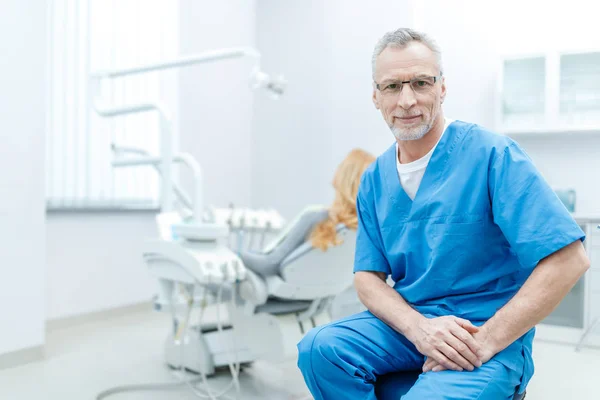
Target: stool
(392,386)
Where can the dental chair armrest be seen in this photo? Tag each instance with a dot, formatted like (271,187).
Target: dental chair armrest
(304,248)
(298,252)
(309,273)
(254,289)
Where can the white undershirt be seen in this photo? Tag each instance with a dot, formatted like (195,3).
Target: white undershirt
(411,174)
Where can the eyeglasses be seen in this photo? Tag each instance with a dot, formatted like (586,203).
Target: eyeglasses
(420,85)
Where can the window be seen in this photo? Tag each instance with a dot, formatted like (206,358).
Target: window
(87,36)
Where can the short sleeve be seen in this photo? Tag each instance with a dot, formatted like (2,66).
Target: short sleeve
(369,254)
(529,213)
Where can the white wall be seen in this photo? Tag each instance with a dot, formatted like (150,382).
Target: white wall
(94,260)
(23,116)
(465,32)
(474,35)
(574,161)
(354,27)
(292,136)
(324,50)
(282,154)
(215,112)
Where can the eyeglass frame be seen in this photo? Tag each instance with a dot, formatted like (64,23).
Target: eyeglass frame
(435,80)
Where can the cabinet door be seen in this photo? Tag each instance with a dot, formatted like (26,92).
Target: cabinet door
(593,248)
(523,92)
(571,310)
(580,88)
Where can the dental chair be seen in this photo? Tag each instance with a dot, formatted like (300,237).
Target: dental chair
(266,315)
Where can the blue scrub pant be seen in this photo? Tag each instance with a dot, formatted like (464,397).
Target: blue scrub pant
(343,360)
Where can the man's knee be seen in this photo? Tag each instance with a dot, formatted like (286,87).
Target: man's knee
(317,345)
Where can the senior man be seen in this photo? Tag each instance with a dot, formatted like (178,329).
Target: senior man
(479,247)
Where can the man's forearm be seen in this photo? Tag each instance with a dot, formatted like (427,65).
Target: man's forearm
(385,302)
(549,283)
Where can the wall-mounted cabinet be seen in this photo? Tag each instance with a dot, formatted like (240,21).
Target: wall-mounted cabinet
(549,93)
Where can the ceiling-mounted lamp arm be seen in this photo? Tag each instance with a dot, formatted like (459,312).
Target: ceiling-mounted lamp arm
(259,79)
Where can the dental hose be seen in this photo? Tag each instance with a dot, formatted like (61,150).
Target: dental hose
(233,367)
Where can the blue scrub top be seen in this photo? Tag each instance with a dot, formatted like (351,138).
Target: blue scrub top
(482,219)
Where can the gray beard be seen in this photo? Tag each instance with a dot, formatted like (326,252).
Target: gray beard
(411,134)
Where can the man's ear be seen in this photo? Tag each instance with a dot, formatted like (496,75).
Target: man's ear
(375,100)
(443,96)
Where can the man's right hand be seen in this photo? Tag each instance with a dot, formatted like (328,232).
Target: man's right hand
(448,340)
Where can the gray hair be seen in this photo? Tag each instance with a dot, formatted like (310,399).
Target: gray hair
(400,38)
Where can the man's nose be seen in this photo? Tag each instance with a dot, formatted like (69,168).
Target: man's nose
(406,98)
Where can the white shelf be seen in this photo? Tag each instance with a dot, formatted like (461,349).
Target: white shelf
(566,336)
(587,218)
(550,131)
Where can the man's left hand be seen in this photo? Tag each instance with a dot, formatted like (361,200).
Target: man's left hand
(488,349)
